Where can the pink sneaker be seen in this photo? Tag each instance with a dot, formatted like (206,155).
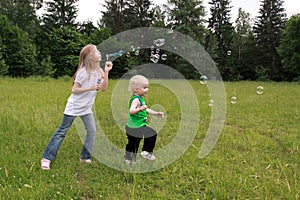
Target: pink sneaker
(45,164)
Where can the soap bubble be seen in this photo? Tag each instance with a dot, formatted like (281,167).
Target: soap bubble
(233,100)
(260,89)
(159,42)
(137,52)
(132,48)
(127,54)
(154,58)
(164,56)
(203,79)
(211,103)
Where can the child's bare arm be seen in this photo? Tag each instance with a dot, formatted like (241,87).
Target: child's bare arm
(152,112)
(104,83)
(76,89)
(135,107)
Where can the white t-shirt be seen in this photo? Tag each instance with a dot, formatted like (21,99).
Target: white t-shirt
(82,103)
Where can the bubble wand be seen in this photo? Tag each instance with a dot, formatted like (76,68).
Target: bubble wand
(116,54)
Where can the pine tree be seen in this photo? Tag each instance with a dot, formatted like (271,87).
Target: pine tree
(122,15)
(22,13)
(187,17)
(268,28)
(113,17)
(138,13)
(3,66)
(60,13)
(241,37)
(19,53)
(219,24)
(289,49)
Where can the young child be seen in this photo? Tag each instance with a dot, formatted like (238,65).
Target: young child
(88,79)
(136,126)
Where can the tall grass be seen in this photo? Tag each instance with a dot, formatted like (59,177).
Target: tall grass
(256,157)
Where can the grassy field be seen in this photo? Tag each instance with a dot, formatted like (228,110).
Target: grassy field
(256,157)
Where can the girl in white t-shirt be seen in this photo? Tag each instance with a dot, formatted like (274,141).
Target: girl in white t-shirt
(88,79)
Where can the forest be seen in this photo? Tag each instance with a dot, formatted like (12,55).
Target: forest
(266,48)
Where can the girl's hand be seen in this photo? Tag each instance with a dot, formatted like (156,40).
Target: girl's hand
(108,66)
(95,87)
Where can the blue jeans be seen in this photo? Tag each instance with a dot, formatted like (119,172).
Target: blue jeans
(58,137)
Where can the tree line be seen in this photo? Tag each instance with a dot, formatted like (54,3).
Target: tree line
(266,47)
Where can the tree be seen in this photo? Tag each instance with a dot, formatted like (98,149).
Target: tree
(87,28)
(60,13)
(22,14)
(138,13)
(159,17)
(289,49)
(113,18)
(122,15)
(3,66)
(267,31)
(241,37)
(219,25)
(187,17)
(20,54)
(99,35)
(65,47)
(243,23)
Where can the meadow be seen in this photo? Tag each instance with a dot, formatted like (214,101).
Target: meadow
(256,156)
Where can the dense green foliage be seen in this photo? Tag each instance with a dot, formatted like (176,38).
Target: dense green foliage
(289,49)
(256,157)
(220,26)
(241,50)
(268,29)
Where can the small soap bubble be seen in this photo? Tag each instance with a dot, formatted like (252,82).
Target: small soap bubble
(152,48)
(127,54)
(154,58)
(137,52)
(157,51)
(203,79)
(211,103)
(159,42)
(229,53)
(132,48)
(260,90)
(233,100)
(121,52)
(164,56)
(170,31)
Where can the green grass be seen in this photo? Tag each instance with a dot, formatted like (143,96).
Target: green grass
(256,156)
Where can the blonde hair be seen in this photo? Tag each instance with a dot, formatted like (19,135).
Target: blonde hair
(137,81)
(86,60)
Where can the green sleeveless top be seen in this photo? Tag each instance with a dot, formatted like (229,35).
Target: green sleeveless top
(139,119)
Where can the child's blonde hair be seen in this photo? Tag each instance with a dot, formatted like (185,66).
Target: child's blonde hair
(86,60)
(137,81)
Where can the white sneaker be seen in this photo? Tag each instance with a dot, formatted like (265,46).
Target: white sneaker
(127,162)
(88,161)
(148,155)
